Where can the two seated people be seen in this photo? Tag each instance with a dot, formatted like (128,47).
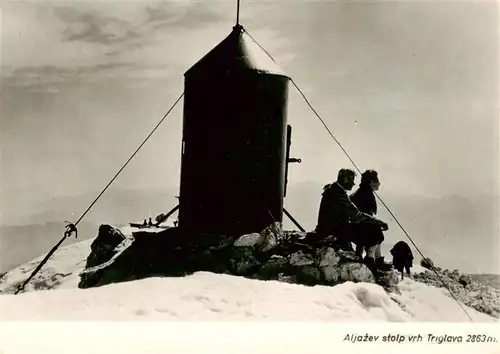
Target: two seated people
(351,219)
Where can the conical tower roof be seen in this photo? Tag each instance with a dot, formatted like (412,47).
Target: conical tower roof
(235,53)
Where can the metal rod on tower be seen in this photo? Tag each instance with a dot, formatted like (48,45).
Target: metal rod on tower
(237,12)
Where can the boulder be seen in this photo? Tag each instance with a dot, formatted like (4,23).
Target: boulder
(301,259)
(388,279)
(327,260)
(355,272)
(206,260)
(160,217)
(108,237)
(348,256)
(294,236)
(272,269)
(248,240)
(330,274)
(243,261)
(104,246)
(289,279)
(465,280)
(307,275)
(326,256)
(427,263)
(455,274)
(270,237)
(204,241)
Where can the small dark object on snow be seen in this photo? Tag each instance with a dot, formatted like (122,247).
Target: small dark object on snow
(402,258)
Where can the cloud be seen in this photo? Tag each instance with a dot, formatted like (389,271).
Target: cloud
(53,44)
(92,27)
(51,79)
(89,23)
(196,16)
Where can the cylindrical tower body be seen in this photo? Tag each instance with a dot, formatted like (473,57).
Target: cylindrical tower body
(233,146)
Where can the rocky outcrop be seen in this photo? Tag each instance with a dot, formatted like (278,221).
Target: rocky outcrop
(481,297)
(272,254)
(427,263)
(105,245)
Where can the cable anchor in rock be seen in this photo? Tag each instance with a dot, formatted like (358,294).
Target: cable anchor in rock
(70,228)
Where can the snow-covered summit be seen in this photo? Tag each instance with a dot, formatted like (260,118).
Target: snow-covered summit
(208,296)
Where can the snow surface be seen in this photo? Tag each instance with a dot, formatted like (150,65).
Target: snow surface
(169,315)
(61,270)
(215,297)
(207,296)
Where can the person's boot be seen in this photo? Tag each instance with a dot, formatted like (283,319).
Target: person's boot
(348,246)
(381,265)
(370,263)
(359,254)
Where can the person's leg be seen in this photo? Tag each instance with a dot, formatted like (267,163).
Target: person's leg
(407,268)
(372,238)
(359,250)
(370,263)
(379,259)
(369,259)
(361,236)
(398,265)
(346,237)
(370,252)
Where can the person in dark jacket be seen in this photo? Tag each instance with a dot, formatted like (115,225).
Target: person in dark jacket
(368,237)
(402,257)
(337,213)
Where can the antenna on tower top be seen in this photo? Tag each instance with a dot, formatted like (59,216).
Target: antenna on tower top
(237,12)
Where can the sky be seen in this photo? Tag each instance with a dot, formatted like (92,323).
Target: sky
(408,88)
